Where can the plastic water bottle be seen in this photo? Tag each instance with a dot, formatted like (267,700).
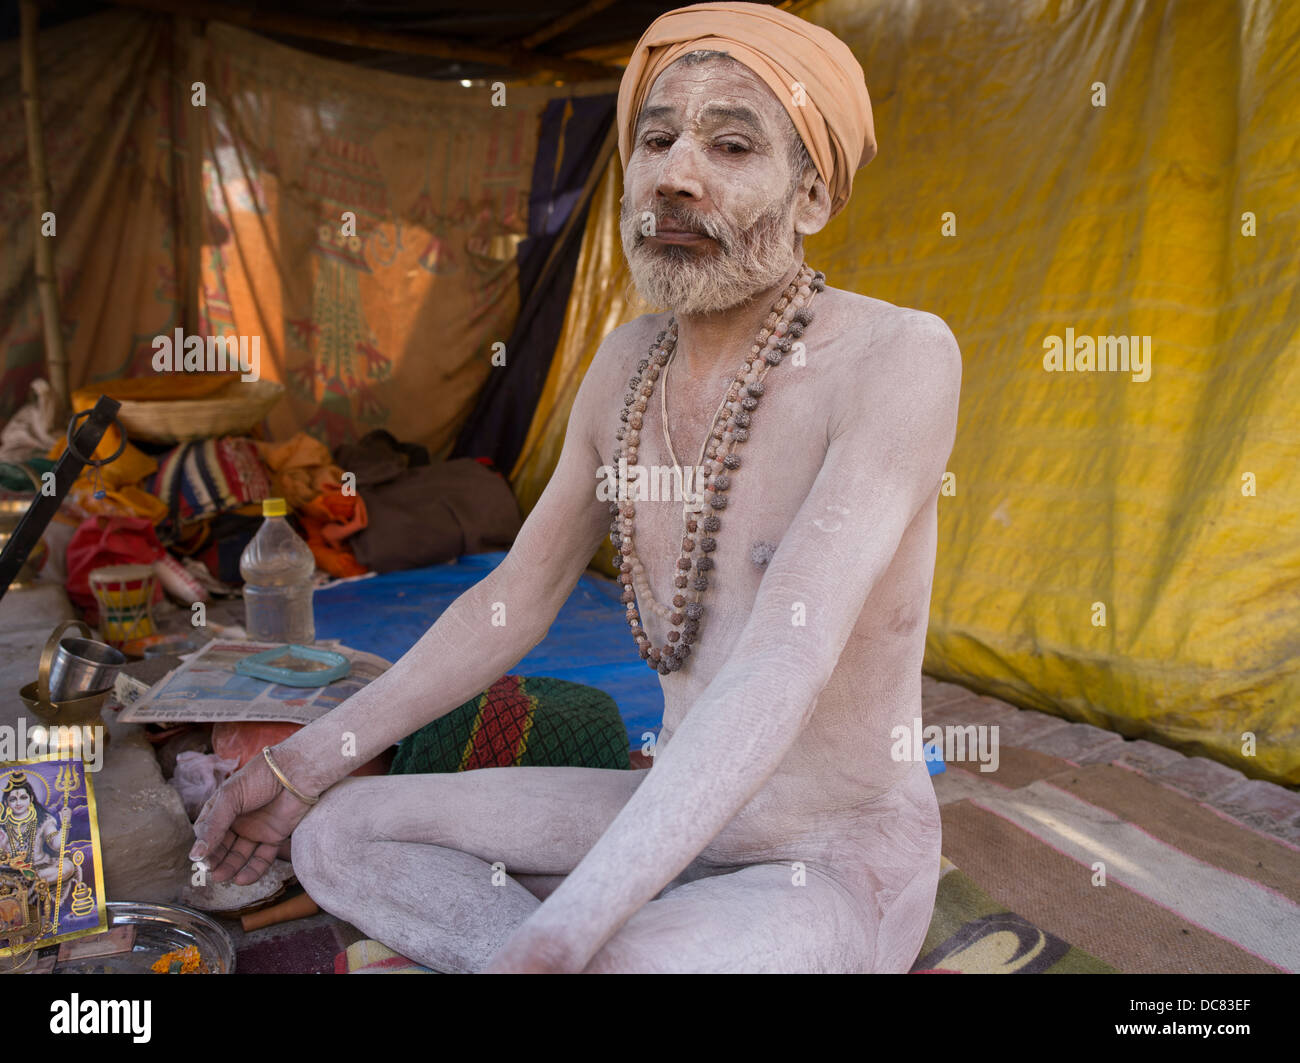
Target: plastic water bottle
(277,567)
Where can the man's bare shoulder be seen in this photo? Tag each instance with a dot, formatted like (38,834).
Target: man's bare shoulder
(917,337)
(611,367)
(615,359)
(911,355)
(875,319)
(624,346)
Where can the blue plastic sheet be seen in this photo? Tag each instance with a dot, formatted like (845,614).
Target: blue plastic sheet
(588,643)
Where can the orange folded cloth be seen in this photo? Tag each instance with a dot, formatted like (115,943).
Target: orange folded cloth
(161,387)
(329,519)
(301,467)
(123,497)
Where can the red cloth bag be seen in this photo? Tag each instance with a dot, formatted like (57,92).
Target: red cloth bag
(101,541)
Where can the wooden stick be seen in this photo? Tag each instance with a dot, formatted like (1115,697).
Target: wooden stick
(615,54)
(31,526)
(564,22)
(189,44)
(47,287)
(512,58)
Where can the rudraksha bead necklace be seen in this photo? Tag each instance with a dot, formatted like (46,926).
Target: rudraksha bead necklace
(789,316)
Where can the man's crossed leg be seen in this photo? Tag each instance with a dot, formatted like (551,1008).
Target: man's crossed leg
(409,861)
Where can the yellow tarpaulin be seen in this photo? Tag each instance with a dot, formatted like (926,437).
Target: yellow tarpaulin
(1118,547)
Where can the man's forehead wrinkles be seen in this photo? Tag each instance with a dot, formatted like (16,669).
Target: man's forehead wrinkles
(720,112)
(732,83)
(712,113)
(656,111)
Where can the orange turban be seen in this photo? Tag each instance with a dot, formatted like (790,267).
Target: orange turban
(834,119)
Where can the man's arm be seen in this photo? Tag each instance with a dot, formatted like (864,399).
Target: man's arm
(465,651)
(884,462)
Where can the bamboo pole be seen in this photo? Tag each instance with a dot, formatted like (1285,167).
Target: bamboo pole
(508,57)
(564,22)
(47,287)
(190,44)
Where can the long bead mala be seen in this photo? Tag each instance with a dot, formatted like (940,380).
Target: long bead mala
(786,322)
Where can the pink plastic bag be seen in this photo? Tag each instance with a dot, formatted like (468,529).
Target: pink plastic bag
(197,777)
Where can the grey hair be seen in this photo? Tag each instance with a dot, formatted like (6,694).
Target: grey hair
(703,55)
(800,161)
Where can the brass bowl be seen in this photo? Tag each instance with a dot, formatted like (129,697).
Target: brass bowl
(73,713)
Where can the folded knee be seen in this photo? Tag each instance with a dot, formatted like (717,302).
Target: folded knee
(324,841)
(630,953)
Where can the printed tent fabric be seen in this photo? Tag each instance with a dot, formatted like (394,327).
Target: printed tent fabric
(365,226)
(1009,201)
(362,225)
(110,126)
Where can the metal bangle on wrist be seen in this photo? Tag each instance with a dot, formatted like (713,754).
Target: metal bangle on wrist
(266,753)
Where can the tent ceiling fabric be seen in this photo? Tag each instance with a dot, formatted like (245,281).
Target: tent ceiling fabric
(484,24)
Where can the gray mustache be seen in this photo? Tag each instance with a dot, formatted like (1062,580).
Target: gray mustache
(689,224)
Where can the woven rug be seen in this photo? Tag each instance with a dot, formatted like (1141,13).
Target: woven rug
(971,933)
(310,950)
(370,957)
(1139,875)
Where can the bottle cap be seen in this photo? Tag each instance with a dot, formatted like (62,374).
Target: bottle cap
(273,507)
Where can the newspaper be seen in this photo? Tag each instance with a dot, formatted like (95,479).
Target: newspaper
(206,688)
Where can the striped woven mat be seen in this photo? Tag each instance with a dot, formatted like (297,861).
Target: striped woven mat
(1137,874)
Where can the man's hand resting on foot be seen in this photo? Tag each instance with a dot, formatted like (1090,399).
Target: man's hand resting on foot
(244,824)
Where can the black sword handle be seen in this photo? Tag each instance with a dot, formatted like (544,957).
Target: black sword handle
(33,523)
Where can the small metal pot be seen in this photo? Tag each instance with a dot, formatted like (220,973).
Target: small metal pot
(74,668)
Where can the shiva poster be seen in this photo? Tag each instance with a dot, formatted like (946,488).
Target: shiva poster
(51,872)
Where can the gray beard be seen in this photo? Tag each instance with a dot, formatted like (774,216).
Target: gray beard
(688,281)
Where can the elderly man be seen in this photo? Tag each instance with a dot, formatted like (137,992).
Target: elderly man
(784,607)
